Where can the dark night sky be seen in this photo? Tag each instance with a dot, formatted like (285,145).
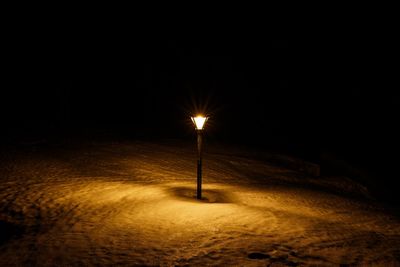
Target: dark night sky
(288,91)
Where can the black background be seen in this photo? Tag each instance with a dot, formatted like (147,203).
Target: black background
(325,94)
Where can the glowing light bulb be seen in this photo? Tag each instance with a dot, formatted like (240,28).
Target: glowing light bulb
(199,121)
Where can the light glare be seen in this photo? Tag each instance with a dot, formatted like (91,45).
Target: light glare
(199,121)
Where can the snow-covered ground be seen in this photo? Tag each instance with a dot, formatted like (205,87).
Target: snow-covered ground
(132,204)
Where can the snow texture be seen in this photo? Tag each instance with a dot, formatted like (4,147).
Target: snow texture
(133,204)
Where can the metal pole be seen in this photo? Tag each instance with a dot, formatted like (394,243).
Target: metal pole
(199,159)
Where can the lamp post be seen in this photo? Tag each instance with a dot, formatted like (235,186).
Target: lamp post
(199,122)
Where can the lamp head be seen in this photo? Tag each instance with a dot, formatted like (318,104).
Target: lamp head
(199,121)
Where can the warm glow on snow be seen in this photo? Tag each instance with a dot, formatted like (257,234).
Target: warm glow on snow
(199,121)
(135,205)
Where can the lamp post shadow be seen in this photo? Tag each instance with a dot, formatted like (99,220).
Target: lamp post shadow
(208,195)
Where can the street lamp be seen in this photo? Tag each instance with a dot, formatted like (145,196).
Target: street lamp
(199,122)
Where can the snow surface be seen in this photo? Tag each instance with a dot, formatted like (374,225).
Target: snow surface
(133,204)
